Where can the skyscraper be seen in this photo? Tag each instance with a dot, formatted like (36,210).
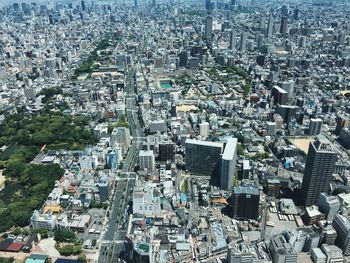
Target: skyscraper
(262,22)
(315,127)
(343,121)
(245,202)
(208,28)
(233,40)
(341,224)
(183,58)
(83,6)
(318,171)
(243,43)
(284,25)
(269,31)
(204,129)
(208,5)
(203,157)
(228,164)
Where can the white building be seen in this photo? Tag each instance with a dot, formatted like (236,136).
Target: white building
(121,135)
(145,200)
(44,221)
(204,129)
(147,160)
(88,162)
(101,130)
(228,164)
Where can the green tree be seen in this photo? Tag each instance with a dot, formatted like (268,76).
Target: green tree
(64,235)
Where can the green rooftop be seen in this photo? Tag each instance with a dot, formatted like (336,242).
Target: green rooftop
(166,85)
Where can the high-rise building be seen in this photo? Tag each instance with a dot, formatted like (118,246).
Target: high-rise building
(208,34)
(244,197)
(341,224)
(228,164)
(112,160)
(296,14)
(147,160)
(343,121)
(233,40)
(315,127)
(280,96)
(271,128)
(287,112)
(243,43)
(270,26)
(333,253)
(318,171)
(284,25)
(281,250)
(166,151)
(83,6)
(344,138)
(204,129)
(208,5)
(288,86)
(121,135)
(103,189)
(329,205)
(183,58)
(262,22)
(203,157)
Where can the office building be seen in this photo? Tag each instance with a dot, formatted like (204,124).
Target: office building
(271,128)
(88,162)
(157,126)
(147,160)
(208,5)
(284,25)
(146,200)
(262,22)
(343,121)
(313,215)
(288,86)
(239,254)
(203,157)
(270,26)
(318,256)
(233,40)
(315,127)
(243,43)
(112,160)
(103,189)
(83,5)
(334,254)
(329,205)
(204,129)
(281,251)
(280,96)
(341,224)
(121,135)
(208,28)
(244,197)
(287,112)
(228,164)
(318,171)
(166,151)
(183,58)
(344,138)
